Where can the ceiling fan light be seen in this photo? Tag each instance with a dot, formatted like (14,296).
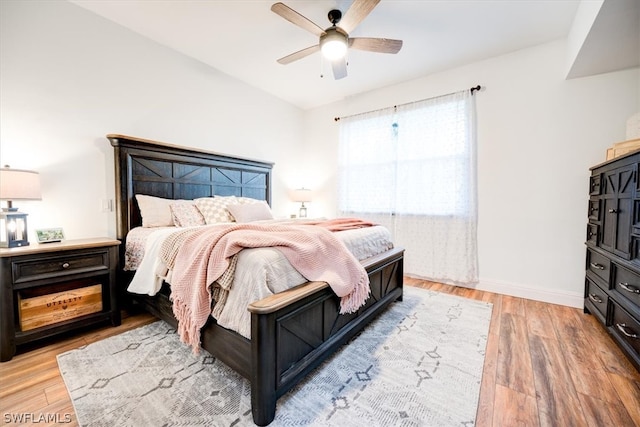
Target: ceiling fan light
(333,44)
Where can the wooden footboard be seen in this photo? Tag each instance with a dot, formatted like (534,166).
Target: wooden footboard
(294,331)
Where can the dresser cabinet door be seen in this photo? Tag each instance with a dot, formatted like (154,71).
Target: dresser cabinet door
(617,210)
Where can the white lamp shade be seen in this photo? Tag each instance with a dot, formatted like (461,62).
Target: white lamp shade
(19,184)
(334,49)
(333,44)
(301,195)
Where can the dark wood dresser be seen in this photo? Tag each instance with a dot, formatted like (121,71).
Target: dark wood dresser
(54,288)
(612,283)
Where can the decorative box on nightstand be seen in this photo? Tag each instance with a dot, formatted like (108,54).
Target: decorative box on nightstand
(53,288)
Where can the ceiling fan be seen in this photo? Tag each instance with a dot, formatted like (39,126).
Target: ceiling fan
(334,41)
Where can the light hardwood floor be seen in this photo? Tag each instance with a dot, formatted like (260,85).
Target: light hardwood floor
(545,365)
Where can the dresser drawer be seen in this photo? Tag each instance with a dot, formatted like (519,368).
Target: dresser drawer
(594,210)
(627,284)
(59,265)
(626,328)
(598,265)
(594,185)
(592,234)
(597,298)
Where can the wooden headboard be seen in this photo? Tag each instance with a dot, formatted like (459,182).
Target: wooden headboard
(172,172)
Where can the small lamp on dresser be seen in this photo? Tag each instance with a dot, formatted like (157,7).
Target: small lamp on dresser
(16,184)
(302,195)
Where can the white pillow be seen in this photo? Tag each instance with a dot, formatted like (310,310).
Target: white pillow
(247,212)
(214,209)
(242,200)
(155,211)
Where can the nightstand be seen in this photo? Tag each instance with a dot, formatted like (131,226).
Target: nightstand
(53,288)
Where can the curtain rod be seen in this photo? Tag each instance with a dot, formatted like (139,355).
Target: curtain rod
(473,89)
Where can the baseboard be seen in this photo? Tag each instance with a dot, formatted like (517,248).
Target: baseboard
(570,299)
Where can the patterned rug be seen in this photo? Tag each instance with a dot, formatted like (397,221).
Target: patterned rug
(418,364)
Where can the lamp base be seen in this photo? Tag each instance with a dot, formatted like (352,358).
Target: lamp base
(13,229)
(14,244)
(9,209)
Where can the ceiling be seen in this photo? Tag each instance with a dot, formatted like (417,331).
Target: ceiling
(243,38)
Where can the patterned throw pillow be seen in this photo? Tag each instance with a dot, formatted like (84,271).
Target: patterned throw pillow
(214,209)
(186,214)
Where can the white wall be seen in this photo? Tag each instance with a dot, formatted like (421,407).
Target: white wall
(69,77)
(538,134)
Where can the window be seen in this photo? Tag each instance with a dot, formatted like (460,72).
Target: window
(412,168)
(409,160)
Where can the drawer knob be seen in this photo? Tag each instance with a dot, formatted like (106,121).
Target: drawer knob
(623,328)
(613,210)
(627,287)
(66,265)
(597,266)
(595,298)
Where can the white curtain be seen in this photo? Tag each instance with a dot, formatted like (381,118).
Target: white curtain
(413,169)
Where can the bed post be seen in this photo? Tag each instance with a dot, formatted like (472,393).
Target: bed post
(263,374)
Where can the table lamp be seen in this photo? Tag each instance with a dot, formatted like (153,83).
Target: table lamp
(16,184)
(302,195)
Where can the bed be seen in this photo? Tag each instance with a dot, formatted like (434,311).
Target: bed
(293,331)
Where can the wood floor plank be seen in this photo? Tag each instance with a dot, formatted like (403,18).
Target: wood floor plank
(558,402)
(496,302)
(515,410)
(24,401)
(514,360)
(586,370)
(539,320)
(57,392)
(629,392)
(513,305)
(601,413)
(484,416)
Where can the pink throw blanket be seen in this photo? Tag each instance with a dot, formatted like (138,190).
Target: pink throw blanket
(314,251)
(340,224)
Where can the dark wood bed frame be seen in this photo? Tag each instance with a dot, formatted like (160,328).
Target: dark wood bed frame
(291,332)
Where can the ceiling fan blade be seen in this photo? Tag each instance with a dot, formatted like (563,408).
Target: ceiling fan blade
(295,18)
(298,55)
(339,67)
(376,45)
(356,13)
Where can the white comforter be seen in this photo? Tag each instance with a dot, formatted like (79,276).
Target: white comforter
(259,272)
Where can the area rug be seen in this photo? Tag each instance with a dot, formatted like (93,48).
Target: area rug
(418,364)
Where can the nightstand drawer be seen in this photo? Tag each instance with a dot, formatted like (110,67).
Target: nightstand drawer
(55,266)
